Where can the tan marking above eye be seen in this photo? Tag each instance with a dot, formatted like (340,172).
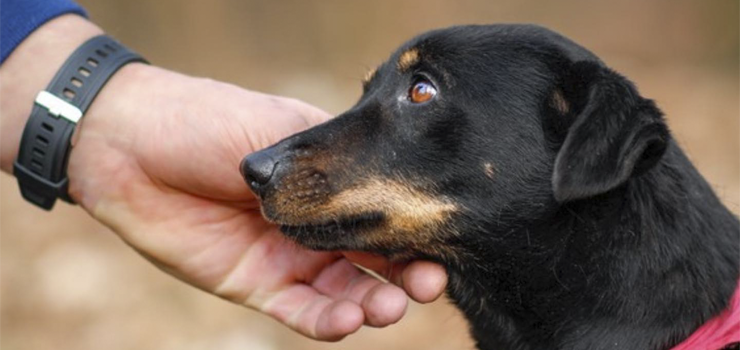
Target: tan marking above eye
(407,59)
(369,75)
(422,91)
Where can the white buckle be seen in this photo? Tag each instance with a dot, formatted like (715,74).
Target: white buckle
(58,107)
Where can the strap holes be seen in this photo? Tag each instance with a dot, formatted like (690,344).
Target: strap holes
(69,94)
(92,62)
(36,164)
(76,82)
(110,48)
(84,72)
(47,127)
(38,152)
(101,53)
(43,141)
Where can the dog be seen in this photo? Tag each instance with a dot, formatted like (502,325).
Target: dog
(565,214)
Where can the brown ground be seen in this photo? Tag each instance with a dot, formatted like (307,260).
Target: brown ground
(68,283)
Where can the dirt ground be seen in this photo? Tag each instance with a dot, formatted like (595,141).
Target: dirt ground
(70,283)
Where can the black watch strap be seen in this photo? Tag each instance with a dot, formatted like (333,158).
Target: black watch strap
(41,166)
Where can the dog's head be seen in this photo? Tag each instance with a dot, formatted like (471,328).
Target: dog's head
(465,129)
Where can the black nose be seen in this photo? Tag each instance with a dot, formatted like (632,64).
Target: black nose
(257,169)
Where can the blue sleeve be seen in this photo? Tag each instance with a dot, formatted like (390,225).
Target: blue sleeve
(19,18)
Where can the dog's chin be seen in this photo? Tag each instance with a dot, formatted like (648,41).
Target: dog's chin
(341,233)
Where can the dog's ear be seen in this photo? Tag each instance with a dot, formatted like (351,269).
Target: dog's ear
(617,134)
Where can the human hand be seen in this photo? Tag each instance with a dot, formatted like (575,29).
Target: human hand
(157,160)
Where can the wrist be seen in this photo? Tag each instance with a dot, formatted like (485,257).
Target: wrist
(29,69)
(118,107)
(114,129)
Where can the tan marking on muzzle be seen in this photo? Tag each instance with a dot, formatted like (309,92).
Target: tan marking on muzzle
(407,210)
(407,59)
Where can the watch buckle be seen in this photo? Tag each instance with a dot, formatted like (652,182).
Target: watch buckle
(58,107)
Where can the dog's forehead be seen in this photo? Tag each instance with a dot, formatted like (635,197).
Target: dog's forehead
(449,46)
(485,42)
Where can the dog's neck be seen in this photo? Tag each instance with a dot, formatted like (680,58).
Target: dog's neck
(602,273)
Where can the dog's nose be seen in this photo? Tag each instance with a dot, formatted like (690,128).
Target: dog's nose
(257,169)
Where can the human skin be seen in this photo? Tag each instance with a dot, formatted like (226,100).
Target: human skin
(156,159)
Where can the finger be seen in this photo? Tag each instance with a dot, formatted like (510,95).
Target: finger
(424,281)
(383,303)
(336,278)
(312,314)
(337,320)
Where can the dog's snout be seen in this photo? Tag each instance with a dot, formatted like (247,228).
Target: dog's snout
(258,168)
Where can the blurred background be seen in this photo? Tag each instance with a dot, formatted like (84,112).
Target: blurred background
(69,283)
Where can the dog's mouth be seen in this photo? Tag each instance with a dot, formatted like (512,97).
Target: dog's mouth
(333,234)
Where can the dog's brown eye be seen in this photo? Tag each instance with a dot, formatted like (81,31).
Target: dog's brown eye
(422,91)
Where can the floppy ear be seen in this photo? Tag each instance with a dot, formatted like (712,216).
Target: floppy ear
(617,134)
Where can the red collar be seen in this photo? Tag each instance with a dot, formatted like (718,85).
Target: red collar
(720,331)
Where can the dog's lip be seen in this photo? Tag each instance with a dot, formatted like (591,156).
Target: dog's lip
(351,222)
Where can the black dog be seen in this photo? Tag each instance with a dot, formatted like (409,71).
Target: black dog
(551,190)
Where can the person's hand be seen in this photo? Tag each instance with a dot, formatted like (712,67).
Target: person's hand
(157,160)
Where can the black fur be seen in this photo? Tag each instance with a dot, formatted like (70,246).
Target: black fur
(592,229)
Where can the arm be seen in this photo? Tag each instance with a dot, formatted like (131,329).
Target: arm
(156,159)
(29,70)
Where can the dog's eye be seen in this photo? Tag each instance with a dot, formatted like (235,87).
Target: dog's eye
(422,91)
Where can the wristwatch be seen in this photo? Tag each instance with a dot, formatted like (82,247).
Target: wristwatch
(41,166)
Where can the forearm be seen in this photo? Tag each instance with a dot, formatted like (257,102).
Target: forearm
(29,69)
